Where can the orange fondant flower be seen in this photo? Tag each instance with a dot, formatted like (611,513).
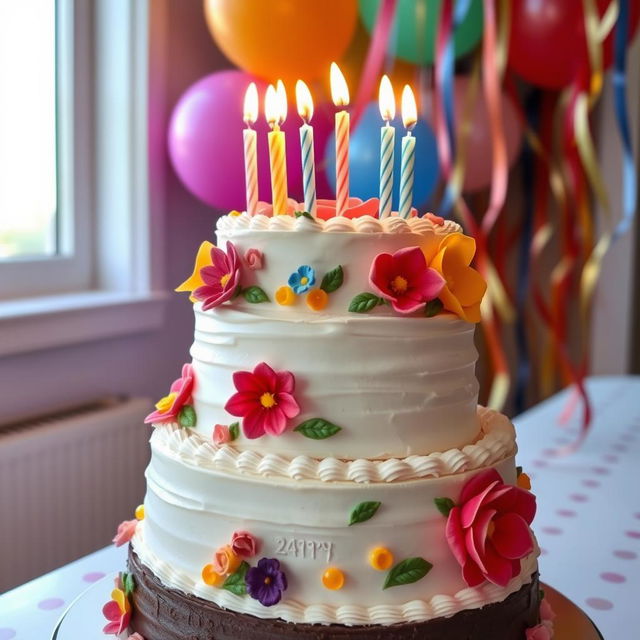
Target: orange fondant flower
(464,286)
(203,259)
(317,299)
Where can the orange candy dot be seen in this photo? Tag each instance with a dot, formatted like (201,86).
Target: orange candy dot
(333,579)
(210,577)
(524,481)
(381,558)
(317,299)
(285,296)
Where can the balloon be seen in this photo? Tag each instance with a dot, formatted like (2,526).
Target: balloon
(285,39)
(419,48)
(205,141)
(554,31)
(478,149)
(364,159)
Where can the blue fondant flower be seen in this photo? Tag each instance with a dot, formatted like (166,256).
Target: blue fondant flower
(266,582)
(303,279)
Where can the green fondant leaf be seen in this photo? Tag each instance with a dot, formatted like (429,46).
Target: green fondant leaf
(235,582)
(234,430)
(433,308)
(407,571)
(255,295)
(444,505)
(304,214)
(317,428)
(364,302)
(187,416)
(128,583)
(518,471)
(332,280)
(364,511)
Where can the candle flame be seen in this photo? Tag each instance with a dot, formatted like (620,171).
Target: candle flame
(275,106)
(251,104)
(409,108)
(304,101)
(339,88)
(386,100)
(282,100)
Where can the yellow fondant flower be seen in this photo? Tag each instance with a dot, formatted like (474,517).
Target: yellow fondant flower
(317,299)
(464,287)
(285,296)
(203,259)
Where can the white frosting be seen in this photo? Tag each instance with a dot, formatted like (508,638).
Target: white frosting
(190,511)
(396,386)
(497,441)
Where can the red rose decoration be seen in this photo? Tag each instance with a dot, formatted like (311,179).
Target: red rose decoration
(244,544)
(488,530)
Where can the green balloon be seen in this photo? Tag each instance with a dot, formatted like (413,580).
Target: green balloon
(413,16)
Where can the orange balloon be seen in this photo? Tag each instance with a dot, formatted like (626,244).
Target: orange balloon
(285,39)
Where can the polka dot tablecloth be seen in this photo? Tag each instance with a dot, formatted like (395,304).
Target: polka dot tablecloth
(588,520)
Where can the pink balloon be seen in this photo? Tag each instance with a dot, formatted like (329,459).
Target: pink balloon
(478,148)
(205,140)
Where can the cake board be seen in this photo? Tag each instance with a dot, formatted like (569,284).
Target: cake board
(84,615)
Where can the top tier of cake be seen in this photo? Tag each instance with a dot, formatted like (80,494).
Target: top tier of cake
(396,383)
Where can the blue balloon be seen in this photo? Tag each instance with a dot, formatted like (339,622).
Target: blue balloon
(364,159)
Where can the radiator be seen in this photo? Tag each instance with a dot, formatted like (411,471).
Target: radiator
(66,481)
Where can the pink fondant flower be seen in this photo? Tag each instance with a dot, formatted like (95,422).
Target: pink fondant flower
(264,400)
(125,532)
(225,561)
(547,614)
(405,279)
(117,611)
(254,259)
(168,408)
(221,434)
(221,278)
(488,530)
(244,544)
(539,632)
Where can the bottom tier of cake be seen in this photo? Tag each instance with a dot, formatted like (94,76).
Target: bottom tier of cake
(162,613)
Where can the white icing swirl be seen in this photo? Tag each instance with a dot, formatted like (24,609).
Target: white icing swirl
(293,611)
(496,442)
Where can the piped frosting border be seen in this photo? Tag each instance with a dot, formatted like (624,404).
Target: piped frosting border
(339,224)
(495,442)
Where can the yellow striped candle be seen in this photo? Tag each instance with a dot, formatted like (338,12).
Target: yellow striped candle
(276,111)
(305,110)
(250,148)
(407,164)
(340,96)
(387,106)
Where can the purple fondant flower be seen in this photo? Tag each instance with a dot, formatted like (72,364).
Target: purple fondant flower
(266,582)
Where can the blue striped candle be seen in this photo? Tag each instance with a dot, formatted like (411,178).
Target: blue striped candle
(407,170)
(387,143)
(305,111)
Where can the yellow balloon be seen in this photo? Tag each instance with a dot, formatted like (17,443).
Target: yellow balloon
(286,39)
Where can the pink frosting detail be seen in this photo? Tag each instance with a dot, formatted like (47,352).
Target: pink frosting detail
(488,531)
(244,544)
(221,278)
(405,279)
(434,218)
(327,208)
(254,259)
(183,388)
(221,434)
(254,387)
(125,532)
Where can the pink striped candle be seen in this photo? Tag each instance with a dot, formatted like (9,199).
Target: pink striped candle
(340,96)
(250,148)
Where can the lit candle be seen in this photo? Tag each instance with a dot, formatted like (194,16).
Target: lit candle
(387,104)
(407,165)
(276,111)
(340,96)
(250,152)
(305,110)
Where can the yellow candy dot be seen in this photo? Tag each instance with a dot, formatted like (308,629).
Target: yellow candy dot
(139,512)
(285,296)
(317,299)
(381,558)
(210,577)
(235,213)
(333,579)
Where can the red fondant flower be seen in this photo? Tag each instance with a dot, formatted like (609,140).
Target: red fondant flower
(264,400)
(244,544)
(168,408)
(220,279)
(405,279)
(125,532)
(488,530)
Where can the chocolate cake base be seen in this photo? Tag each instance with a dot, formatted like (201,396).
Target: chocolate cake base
(160,613)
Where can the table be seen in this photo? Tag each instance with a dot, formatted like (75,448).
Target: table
(588,520)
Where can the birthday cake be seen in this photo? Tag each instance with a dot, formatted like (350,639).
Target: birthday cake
(321,468)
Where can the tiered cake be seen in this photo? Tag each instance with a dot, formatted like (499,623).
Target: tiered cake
(321,469)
